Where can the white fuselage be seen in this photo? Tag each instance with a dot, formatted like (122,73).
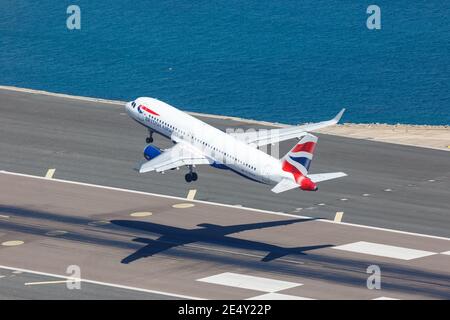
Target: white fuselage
(219,147)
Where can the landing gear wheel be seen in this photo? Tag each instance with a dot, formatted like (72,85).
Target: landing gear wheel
(188,177)
(194,176)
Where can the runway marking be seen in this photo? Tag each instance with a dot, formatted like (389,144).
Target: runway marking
(50,282)
(366,194)
(344,199)
(283,214)
(191,194)
(431,180)
(249,282)
(2,276)
(102,283)
(388,190)
(183,205)
(277,296)
(141,214)
(446,253)
(3,216)
(240,253)
(98,223)
(338,216)
(321,204)
(50,173)
(384,298)
(12,243)
(383,250)
(55,233)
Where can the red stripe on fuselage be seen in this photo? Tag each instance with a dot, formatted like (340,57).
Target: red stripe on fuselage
(306,147)
(149,110)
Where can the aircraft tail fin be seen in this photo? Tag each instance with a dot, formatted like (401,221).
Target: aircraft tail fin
(298,159)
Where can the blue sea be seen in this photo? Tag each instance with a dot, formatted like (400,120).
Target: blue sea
(287,61)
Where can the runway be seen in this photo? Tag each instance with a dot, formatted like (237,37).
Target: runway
(140,241)
(388,185)
(205,250)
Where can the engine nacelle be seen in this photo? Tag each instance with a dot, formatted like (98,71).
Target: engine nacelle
(151,152)
(307,185)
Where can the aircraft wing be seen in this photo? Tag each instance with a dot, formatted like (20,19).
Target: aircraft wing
(264,137)
(179,155)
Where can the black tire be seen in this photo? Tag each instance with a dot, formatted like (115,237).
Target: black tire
(194,176)
(149,140)
(188,177)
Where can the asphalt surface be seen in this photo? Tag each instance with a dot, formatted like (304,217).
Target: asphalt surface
(400,187)
(18,285)
(197,250)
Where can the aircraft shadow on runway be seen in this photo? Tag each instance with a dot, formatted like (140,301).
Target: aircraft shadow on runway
(171,237)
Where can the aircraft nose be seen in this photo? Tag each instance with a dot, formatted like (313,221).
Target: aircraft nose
(128,107)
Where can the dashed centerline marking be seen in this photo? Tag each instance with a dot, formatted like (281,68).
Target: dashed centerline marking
(338,216)
(3,216)
(55,233)
(183,205)
(191,194)
(388,190)
(98,223)
(141,214)
(50,173)
(12,243)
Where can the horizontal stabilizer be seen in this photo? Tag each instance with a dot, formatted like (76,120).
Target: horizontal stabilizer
(318,177)
(285,185)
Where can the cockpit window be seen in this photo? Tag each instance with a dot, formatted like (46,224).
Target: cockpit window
(133,104)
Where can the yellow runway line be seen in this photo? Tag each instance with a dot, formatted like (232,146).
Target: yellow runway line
(50,173)
(12,243)
(338,216)
(141,214)
(191,194)
(183,205)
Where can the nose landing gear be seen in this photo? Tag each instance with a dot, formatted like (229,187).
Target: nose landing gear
(149,139)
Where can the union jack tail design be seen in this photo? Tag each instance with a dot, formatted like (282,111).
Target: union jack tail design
(298,160)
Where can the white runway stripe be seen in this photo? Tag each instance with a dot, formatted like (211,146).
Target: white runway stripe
(278,296)
(382,250)
(249,282)
(446,253)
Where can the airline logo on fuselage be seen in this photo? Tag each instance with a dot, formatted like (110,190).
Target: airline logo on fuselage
(142,107)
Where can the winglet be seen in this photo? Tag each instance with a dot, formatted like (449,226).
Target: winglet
(339,116)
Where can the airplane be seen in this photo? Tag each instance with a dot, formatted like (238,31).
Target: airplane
(197,143)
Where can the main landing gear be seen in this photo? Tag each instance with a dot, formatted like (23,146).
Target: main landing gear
(149,139)
(191,175)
